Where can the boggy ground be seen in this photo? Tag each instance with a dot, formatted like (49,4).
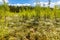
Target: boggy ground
(35,28)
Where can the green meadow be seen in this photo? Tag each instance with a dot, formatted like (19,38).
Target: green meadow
(29,23)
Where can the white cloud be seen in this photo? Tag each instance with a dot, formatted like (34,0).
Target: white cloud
(6,1)
(25,4)
(45,4)
(51,5)
(1,1)
(58,3)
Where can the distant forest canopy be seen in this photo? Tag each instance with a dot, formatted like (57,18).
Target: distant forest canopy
(20,8)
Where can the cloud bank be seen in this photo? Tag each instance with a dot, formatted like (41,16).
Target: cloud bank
(45,4)
(25,4)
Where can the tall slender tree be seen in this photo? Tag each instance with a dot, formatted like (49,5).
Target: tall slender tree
(49,2)
(6,8)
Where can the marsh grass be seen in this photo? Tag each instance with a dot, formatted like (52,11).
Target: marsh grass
(37,24)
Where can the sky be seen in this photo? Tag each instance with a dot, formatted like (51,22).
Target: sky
(30,2)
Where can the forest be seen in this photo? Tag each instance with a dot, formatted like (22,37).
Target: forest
(29,23)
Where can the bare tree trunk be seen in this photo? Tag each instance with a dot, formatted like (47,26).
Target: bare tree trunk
(3,1)
(4,10)
(49,2)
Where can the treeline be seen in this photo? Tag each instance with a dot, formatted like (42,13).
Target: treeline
(20,8)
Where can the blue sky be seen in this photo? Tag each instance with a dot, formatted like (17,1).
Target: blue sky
(30,2)
(21,1)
